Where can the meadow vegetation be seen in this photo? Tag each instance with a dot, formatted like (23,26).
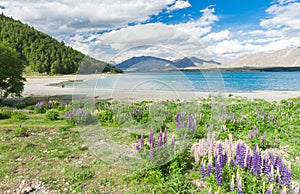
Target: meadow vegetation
(223,145)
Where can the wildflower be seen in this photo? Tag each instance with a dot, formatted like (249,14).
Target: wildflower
(263,137)
(159,144)
(173,141)
(142,142)
(150,140)
(256,161)
(250,135)
(239,187)
(209,170)
(137,146)
(165,138)
(223,128)
(151,151)
(276,138)
(269,190)
(232,183)
(283,191)
(218,174)
(202,167)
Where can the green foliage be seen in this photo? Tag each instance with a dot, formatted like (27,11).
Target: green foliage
(44,54)
(52,115)
(11,69)
(21,132)
(16,115)
(82,176)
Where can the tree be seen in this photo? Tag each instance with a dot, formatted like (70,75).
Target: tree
(11,69)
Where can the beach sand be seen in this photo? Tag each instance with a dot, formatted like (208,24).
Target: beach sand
(39,86)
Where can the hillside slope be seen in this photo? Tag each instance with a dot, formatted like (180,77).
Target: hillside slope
(43,53)
(282,58)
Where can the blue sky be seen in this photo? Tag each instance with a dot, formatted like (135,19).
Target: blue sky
(116,30)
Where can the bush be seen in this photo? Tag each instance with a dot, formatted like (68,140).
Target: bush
(80,117)
(42,107)
(52,115)
(5,113)
(21,132)
(18,115)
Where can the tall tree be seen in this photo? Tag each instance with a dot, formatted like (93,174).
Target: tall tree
(11,69)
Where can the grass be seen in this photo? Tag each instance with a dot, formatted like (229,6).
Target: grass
(53,151)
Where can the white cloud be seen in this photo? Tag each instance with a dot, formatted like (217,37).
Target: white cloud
(71,16)
(179,4)
(182,39)
(218,36)
(283,16)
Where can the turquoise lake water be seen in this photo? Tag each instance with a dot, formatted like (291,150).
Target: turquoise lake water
(197,81)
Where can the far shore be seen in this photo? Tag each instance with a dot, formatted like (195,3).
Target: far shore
(43,86)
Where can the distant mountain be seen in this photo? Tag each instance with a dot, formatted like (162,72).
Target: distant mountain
(149,63)
(42,53)
(283,58)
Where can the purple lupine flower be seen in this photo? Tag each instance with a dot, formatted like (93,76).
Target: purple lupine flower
(223,128)
(299,190)
(240,187)
(250,135)
(248,159)
(190,120)
(151,151)
(166,138)
(273,120)
(271,158)
(173,141)
(202,168)
(159,143)
(271,174)
(276,138)
(283,191)
(263,138)
(142,142)
(218,174)
(220,153)
(269,190)
(137,146)
(209,170)
(176,117)
(267,165)
(232,183)
(278,162)
(256,161)
(43,104)
(241,154)
(150,140)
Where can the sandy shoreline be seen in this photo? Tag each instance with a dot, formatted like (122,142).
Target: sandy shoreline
(39,86)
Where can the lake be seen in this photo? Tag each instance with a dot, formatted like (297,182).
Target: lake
(196,81)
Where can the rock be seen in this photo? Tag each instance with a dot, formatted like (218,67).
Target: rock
(27,190)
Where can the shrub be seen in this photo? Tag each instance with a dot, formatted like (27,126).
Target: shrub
(79,117)
(42,107)
(18,115)
(21,132)
(52,115)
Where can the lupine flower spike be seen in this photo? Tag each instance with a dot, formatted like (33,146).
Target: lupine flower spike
(269,190)
(232,183)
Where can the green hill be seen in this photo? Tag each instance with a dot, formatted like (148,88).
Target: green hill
(44,54)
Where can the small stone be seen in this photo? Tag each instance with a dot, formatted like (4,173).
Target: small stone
(26,190)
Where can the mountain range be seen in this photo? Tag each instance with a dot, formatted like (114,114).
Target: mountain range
(289,57)
(150,63)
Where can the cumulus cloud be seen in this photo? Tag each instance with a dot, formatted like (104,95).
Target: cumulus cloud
(179,4)
(283,16)
(156,39)
(66,16)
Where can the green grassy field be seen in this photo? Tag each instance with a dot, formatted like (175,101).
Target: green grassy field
(43,144)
